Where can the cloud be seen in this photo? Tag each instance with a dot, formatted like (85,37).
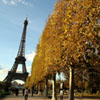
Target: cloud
(5,1)
(23,2)
(30,56)
(3,71)
(28,67)
(15,2)
(12,2)
(0,67)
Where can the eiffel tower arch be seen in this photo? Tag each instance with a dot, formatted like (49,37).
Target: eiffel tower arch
(20,59)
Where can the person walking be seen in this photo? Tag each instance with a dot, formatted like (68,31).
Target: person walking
(23,91)
(16,91)
(26,94)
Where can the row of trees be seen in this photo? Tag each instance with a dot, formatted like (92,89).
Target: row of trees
(69,42)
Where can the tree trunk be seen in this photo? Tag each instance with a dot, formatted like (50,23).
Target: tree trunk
(46,86)
(54,97)
(71,84)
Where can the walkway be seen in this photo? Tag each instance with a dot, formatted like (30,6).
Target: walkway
(20,97)
(35,97)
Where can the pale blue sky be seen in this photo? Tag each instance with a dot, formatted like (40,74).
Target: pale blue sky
(12,16)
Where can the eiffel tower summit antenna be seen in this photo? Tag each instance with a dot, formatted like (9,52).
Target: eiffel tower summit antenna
(20,59)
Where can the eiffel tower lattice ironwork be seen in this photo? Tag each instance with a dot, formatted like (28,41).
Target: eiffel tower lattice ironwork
(20,59)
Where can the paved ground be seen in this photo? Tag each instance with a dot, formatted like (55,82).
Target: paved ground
(36,97)
(20,97)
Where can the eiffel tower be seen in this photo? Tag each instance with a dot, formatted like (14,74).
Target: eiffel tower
(20,59)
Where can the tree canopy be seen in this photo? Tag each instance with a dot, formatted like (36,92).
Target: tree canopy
(70,37)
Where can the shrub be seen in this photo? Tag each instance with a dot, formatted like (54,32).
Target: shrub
(3,93)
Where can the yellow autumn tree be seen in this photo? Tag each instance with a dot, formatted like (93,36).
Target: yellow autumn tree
(64,42)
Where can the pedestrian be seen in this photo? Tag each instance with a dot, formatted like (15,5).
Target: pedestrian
(23,92)
(17,91)
(26,94)
(61,94)
(32,92)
